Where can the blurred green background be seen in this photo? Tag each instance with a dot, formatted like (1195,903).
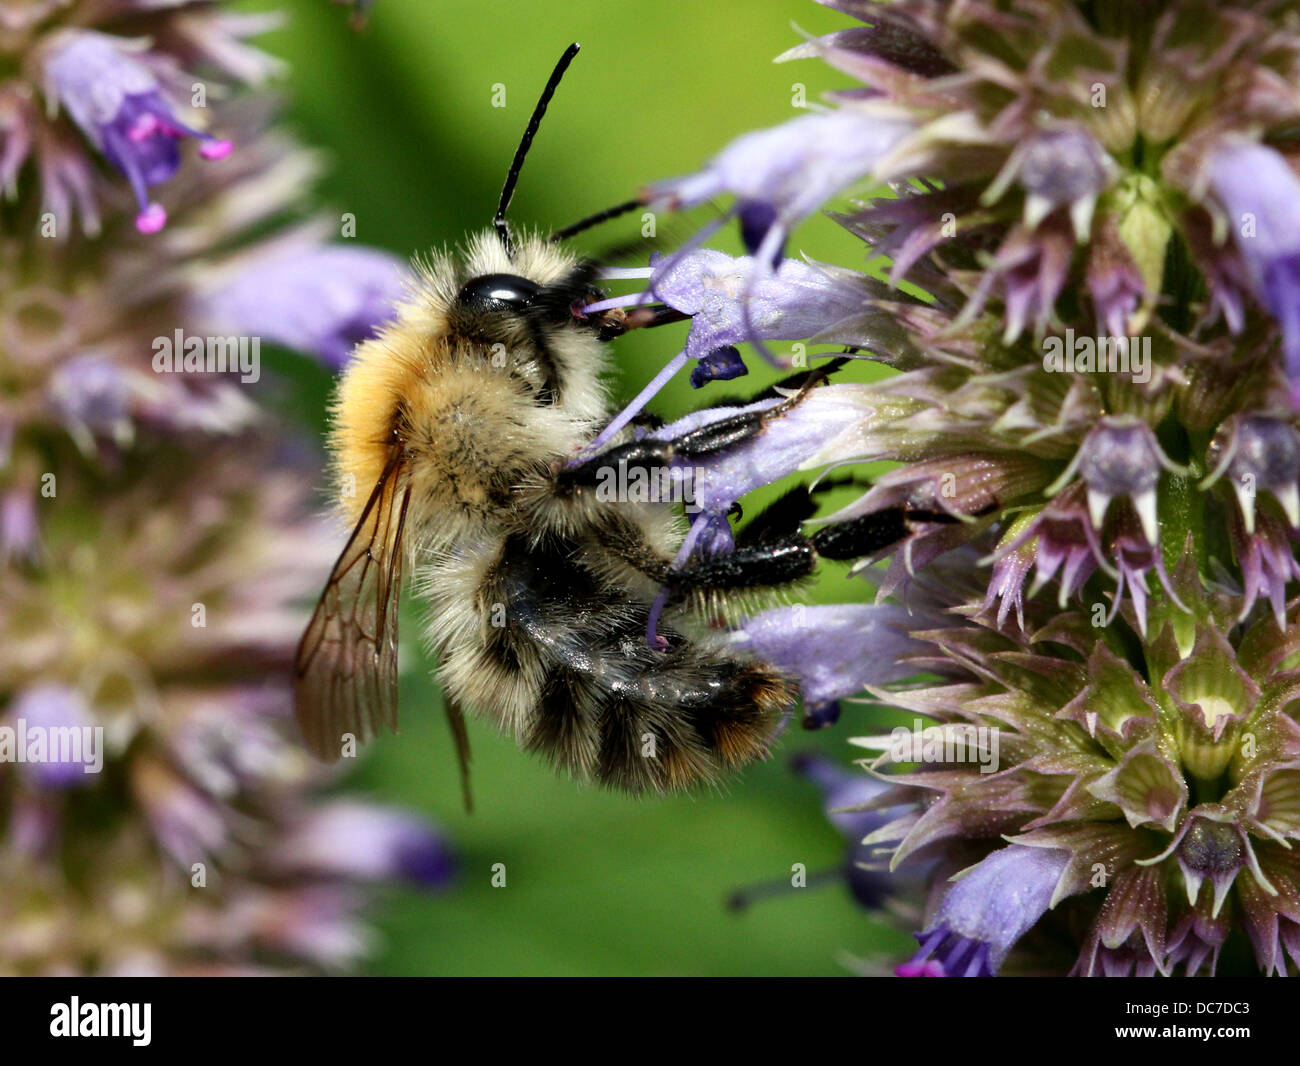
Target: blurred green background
(597,883)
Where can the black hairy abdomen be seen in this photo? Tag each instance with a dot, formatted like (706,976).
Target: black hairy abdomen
(609,707)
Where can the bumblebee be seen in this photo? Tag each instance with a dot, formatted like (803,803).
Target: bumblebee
(460,422)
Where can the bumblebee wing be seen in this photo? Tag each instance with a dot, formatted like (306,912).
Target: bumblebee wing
(346,666)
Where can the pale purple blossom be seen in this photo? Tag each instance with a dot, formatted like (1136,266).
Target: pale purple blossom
(1260,191)
(320,300)
(67,729)
(107,86)
(732,300)
(986,910)
(781,175)
(787,442)
(864,871)
(1267,558)
(836,650)
(1120,458)
(1062,166)
(357,840)
(1258,453)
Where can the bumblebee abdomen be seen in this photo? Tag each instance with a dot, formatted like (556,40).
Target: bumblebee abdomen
(561,660)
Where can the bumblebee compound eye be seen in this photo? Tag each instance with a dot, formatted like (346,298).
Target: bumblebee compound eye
(497,292)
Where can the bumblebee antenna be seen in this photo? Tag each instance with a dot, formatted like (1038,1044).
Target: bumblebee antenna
(517,164)
(594,220)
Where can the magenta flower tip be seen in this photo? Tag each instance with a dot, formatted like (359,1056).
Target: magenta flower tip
(215,149)
(152,219)
(928,968)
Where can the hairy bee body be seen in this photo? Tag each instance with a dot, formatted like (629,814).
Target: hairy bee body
(462,404)
(460,415)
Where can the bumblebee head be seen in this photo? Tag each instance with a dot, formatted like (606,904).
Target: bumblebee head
(534,292)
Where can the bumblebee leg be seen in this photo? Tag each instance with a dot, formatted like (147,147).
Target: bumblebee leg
(780,519)
(861,536)
(786,515)
(651,455)
(773,562)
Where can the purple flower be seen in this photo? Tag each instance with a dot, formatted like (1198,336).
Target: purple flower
(1135,557)
(1268,563)
(788,442)
(92,397)
(1258,453)
(1196,941)
(1261,194)
(1066,542)
(1114,281)
(19,530)
(835,650)
(1032,267)
(783,174)
(108,88)
(724,364)
(867,879)
(366,842)
(732,300)
(322,300)
(843,789)
(1007,584)
(61,747)
(986,910)
(1120,457)
(1059,167)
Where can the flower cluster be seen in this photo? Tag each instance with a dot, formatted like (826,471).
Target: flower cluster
(157,550)
(1095,389)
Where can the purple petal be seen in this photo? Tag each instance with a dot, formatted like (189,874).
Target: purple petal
(835,650)
(794,168)
(796,301)
(787,442)
(724,364)
(1261,193)
(323,301)
(367,842)
(989,908)
(70,748)
(841,788)
(116,101)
